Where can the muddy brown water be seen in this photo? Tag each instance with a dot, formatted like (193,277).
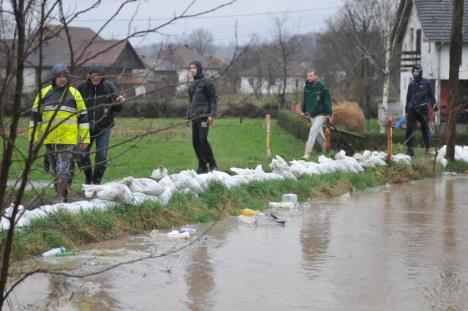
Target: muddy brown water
(401,247)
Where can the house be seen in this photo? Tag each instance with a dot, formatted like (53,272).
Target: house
(263,79)
(84,48)
(423,33)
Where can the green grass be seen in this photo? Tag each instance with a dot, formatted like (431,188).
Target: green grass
(234,144)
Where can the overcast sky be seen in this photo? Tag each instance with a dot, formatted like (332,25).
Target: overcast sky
(252,16)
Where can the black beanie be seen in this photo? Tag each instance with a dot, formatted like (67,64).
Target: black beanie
(96,68)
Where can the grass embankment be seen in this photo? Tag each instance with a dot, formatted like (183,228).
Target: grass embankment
(73,230)
(235,144)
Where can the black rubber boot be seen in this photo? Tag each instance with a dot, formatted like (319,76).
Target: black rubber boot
(88,172)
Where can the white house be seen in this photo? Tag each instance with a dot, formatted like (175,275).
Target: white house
(424,36)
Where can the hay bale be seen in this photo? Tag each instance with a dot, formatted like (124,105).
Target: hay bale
(350,115)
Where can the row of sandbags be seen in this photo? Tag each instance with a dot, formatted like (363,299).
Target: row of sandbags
(461,154)
(161,186)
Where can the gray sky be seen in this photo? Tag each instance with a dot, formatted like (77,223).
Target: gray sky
(252,16)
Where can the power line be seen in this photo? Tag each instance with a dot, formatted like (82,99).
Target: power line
(207,17)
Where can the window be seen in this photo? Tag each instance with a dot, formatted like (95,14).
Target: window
(418,40)
(411,38)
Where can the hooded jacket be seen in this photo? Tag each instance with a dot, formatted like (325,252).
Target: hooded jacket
(202,94)
(60,114)
(316,99)
(100,101)
(420,93)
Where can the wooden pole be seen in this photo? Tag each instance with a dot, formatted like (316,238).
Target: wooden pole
(268,134)
(327,135)
(389,139)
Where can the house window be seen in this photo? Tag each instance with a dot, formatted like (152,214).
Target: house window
(411,38)
(429,47)
(418,40)
(297,83)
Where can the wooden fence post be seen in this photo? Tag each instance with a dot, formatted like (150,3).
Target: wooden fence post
(327,135)
(389,139)
(268,134)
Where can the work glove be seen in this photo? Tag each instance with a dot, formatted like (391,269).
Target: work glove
(435,107)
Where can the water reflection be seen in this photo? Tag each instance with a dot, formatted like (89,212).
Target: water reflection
(200,281)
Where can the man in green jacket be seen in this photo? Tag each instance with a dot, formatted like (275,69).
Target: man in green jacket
(317,104)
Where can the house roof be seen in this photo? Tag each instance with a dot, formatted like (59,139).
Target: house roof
(88,48)
(435,17)
(182,55)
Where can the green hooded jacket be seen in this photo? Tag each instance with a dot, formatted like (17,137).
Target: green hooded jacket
(317,99)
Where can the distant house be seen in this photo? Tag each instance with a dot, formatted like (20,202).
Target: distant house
(267,80)
(424,37)
(119,59)
(172,64)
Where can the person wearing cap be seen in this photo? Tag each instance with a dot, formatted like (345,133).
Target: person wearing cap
(317,104)
(201,111)
(59,120)
(419,96)
(102,101)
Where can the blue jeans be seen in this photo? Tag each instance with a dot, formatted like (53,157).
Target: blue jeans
(102,139)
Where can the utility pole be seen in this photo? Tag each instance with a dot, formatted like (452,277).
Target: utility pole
(456,45)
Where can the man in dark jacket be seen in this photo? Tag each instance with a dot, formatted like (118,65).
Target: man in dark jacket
(102,101)
(201,110)
(317,104)
(418,97)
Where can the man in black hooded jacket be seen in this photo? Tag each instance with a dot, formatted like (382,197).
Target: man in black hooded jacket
(419,96)
(201,111)
(102,101)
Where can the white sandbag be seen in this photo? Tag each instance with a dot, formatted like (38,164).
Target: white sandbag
(402,158)
(166,196)
(167,182)
(159,173)
(112,191)
(280,167)
(187,179)
(139,198)
(143,185)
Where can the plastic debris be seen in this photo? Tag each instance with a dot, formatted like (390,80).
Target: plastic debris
(53,251)
(248,212)
(176,234)
(188,229)
(289,197)
(251,220)
(289,205)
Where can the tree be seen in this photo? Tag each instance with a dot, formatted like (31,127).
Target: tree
(285,45)
(350,53)
(27,20)
(201,40)
(456,46)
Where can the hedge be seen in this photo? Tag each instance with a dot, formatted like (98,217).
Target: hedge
(299,128)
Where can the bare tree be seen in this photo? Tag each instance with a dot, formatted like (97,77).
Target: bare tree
(350,53)
(25,21)
(456,46)
(285,45)
(201,40)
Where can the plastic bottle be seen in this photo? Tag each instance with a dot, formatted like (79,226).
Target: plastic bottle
(281,205)
(65,254)
(54,251)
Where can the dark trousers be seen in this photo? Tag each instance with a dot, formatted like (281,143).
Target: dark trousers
(418,115)
(200,143)
(102,139)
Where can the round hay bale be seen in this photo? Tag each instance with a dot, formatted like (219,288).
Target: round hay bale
(350,115)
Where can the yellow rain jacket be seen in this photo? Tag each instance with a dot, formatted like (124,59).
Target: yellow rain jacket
(61,117)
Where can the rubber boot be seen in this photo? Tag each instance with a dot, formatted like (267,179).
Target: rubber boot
(98,174)
(88,176)
(307,151)
(62,191)
(202,168)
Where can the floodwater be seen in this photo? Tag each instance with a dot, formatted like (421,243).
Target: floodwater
(402,247)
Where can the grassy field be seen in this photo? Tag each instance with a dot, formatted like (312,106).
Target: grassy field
(234,144)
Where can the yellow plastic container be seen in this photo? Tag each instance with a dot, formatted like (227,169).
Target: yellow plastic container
(248,212)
